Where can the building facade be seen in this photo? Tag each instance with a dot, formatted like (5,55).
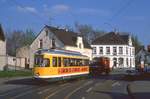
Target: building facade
(2,49)
(142,57)
(24,52)
(118,48)
(52,37)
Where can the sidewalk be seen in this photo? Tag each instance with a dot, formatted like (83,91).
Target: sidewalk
(5,79)
(140,89)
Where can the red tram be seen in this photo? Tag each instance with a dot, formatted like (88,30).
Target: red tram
(100,65)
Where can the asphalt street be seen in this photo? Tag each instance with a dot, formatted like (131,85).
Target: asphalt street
(28,88)
(102,87)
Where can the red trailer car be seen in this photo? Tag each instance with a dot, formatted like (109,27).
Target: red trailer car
(100,65)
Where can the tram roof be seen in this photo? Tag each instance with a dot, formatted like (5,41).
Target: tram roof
(57,51)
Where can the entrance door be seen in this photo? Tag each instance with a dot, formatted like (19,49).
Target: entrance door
(114,62)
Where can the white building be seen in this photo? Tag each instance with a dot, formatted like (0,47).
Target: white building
(2,49)
(52,37)
(118,48)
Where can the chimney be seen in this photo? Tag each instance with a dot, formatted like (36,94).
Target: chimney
(148,48)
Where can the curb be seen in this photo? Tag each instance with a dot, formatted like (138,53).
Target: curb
(3,80)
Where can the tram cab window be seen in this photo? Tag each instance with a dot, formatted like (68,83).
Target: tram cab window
(54,61)
(41,62)
(46,62)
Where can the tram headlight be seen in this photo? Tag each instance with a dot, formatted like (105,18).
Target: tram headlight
(37,74)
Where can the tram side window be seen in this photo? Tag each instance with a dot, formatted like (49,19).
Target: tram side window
(46,62)
(59,61)
(86,62)
(79,61)
(66,62)
(54,61)
(72,62)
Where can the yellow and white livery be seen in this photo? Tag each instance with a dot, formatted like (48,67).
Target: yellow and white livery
(54,63)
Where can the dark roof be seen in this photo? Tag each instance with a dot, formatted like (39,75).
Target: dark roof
(2,36)
(137,50)
(67,37)
(111,38)
(125,37)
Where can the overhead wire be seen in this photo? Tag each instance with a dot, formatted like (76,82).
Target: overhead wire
(118,12)
(33,13)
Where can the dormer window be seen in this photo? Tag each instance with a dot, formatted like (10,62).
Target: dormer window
(79,42)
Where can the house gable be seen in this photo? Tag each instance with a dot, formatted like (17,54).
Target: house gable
(68,38)
(44,40)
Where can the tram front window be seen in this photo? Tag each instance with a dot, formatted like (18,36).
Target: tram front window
(41,62)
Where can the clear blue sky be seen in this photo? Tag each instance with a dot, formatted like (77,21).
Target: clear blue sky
(125,15)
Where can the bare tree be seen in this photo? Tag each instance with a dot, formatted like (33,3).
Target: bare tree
(17,39)
(88,32)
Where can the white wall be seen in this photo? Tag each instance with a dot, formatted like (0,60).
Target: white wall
(2,62)
(130,55)
(2,54)
(24,52)
(15,61)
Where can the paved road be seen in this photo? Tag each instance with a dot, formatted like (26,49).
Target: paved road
(104,87)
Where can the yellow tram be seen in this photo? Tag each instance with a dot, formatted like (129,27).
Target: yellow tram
(54,63)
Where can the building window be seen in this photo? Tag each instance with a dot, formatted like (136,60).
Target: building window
(120,50)
(100,50)
(53,43)
(130,62)
(46,32)
(127,50)
(107,50)
(114,62)
(127,62)
(94,50)
(121,62)
(114,50)
(41,43)
(132,51)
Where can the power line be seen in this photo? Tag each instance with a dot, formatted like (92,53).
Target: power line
(33,13)
(121,9)
(118,12)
